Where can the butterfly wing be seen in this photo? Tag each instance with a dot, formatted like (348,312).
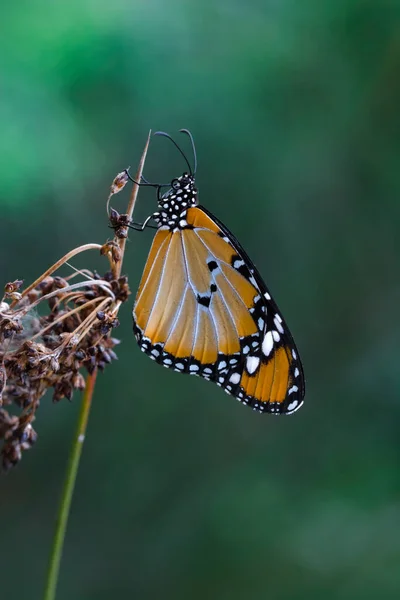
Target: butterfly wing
(202,308)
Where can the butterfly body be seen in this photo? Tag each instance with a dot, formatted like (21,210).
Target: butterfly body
(175,204)
(202,308)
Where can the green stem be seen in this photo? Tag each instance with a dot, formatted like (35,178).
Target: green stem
(69,484)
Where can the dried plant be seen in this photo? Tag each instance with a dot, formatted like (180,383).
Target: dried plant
(56,329)
(51,350)
(53,333)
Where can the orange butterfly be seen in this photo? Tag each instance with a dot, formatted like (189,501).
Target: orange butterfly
(202,307)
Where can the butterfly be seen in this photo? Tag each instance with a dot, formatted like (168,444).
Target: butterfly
(202,307)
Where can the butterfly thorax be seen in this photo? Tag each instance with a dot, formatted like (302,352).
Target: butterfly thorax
(174,204)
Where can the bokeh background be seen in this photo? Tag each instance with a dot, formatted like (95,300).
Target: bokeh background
(182,492)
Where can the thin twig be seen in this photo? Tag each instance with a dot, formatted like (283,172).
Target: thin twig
(131,206)
(104,285)
(66,315)
(69,484)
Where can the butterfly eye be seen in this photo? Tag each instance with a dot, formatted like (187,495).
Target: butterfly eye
(175,183)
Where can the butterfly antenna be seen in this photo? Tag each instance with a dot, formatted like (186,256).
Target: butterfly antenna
(176,145)
(193,148)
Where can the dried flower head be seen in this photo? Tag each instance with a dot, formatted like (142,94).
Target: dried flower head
(119,223)
(120,181)
(53,347)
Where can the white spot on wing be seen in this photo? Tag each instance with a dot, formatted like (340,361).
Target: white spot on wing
(268,343)
(238,263)
(252,363)
(278,324)
(235,378)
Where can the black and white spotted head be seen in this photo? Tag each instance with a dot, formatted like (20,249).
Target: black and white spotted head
(182,193)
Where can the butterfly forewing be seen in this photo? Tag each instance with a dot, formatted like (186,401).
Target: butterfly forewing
(202,308)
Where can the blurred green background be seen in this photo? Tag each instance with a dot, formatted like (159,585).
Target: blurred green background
(183,493)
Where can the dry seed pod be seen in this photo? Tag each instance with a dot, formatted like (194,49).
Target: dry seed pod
(119,182)
(13,286)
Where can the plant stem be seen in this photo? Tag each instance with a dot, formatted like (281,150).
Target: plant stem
(77,443)
(69,484)
(131,205)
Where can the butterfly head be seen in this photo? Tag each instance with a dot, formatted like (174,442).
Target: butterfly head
(181,195)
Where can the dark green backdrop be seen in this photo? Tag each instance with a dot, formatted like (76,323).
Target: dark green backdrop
(182,492)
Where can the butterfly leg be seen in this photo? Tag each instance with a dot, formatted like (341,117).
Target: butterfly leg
(142,226)
(144,182)
(147,182)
